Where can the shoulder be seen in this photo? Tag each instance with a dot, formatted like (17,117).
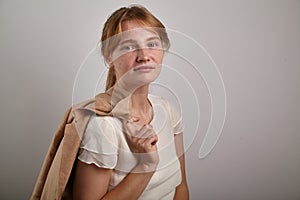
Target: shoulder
(100,123)
(99,135)
(160,101)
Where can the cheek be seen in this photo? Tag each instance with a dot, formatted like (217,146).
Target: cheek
(123,64)
(158,56)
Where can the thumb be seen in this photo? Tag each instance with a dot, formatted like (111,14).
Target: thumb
(131,127)
(134,119)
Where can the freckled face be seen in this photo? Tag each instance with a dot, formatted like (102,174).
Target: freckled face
(138,57)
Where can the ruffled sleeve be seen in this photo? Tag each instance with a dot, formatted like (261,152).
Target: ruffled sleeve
(99,144)
(176,120)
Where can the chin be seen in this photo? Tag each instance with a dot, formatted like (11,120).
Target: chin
(138,79)
(142,80)
(148,77)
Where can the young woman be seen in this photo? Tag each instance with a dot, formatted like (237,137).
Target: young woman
(138,154)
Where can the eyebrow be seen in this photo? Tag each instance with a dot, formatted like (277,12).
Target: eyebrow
(134,41)
(153,38)
(127,41)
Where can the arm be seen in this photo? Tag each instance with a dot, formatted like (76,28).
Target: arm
(91,182)
(132,186)
(182,192)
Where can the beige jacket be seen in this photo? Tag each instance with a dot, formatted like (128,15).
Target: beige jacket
(55,178)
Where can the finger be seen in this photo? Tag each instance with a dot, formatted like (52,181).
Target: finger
(131,128)
(146,131)
(137,130)
(154,140)
(148,137)
(151,141)
(133,119)
(138,138)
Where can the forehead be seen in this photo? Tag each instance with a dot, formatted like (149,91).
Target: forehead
(132,24)
(136,30)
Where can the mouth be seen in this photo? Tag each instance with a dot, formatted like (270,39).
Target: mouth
(144,68)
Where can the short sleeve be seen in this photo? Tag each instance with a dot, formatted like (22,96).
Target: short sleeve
(99,143)
(176,120)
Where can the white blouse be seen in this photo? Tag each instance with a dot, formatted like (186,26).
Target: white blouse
(104,144)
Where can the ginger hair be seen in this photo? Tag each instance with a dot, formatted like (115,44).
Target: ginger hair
(113,26)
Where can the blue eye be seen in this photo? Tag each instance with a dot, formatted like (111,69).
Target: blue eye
(129,47)
(152,44)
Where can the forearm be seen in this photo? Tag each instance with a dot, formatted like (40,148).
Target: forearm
(132,186)
(181,192)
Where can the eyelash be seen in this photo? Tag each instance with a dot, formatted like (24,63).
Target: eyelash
(152,44)
(134,47)
(129,47)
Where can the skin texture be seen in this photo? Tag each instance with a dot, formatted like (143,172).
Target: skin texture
(91,182)
(182,192)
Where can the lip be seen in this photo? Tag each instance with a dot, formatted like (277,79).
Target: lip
(144,68)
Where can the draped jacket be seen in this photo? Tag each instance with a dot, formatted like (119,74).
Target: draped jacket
(56,175)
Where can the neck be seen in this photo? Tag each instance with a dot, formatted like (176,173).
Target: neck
(139,99)
(140,106)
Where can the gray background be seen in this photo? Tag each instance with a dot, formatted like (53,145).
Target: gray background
(256,45)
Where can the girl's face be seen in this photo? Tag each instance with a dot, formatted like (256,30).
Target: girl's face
(138,57)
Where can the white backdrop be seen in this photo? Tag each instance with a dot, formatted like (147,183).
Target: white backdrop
(255,44)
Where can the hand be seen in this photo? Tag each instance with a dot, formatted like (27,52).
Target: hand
(142,141)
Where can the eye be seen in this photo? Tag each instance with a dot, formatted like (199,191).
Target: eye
(128,48)
(152,44)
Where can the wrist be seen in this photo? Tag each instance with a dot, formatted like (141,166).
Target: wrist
(145,168)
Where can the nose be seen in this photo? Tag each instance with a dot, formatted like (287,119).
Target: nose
(142,56)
